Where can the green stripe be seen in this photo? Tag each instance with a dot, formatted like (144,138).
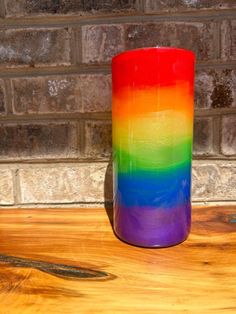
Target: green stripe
(149,158)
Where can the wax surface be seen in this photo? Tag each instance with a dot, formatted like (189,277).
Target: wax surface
(152,127)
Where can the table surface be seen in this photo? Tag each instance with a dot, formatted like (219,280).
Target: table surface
(69,261)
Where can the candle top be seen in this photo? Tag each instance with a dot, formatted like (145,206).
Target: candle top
(125,55)
(152,67)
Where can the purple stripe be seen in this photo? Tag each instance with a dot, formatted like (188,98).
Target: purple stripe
(152,227)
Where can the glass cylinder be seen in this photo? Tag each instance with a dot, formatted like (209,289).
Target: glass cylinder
(152,132)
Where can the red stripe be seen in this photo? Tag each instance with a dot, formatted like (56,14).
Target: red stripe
(148,67)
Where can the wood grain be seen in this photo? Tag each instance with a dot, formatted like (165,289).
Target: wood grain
(69,261)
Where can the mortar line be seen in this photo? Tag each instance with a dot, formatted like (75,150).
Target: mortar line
(98,205)
(67,203)
(214,112)
(216,134)
(9,96)
(79,47)
(73,45)
(50,71)
(2,8)
(71,20)
(215,64)
(47,163)
(81,137)
(210,157)
(50,205)
(216,157)
(16,186)
(71,117)
(54,117)
(75,161)
(216,40)
(141,6)
(220,39)
(92,69)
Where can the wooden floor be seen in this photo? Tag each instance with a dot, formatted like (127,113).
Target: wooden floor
(69,261)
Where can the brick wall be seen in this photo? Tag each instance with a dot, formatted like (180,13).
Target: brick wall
(55,93)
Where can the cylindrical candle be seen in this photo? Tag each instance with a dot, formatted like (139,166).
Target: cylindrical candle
(152,131)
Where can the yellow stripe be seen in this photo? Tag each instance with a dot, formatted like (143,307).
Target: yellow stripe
(162,128)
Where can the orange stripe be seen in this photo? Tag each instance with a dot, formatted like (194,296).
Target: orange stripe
(132,102)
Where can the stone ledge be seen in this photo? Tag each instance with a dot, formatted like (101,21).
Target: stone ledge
(91,183)
(6,187)
(214,181)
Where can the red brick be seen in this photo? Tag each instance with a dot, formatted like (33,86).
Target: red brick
(95,92)
(154,6)
(29,7)
(37,140)
(228,40)
(215,88)
(203,136)
(228,140)
(34,47)
(98,139)
(2,98)
(62,94)
(196,36)
(45,95)
(101,42)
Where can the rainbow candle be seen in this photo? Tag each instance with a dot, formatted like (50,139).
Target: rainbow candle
(152,131)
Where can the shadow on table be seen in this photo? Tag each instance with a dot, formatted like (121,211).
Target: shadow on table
(108,191)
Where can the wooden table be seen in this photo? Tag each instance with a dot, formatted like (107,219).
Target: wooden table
(69,261)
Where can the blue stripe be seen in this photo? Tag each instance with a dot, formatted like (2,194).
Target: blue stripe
(153,189)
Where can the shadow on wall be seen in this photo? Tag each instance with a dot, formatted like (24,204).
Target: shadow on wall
(108,191)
